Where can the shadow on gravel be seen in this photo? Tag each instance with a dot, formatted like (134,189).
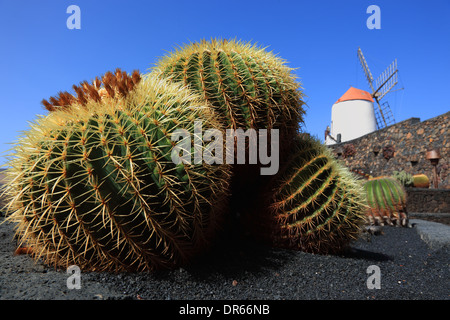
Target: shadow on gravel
(233,258)
(236,254)
(355,253)
(238,258)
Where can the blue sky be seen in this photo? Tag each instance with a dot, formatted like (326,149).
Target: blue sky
(40,56)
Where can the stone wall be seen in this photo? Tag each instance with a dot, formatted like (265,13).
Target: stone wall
(401,146)
(428,200)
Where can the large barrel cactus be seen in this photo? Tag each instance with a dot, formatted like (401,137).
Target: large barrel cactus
(93,182)
(313,204)
(248,86)
(386,198)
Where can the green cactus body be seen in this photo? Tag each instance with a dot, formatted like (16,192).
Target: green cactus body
(248,86)
(314,204)
(95,185)
(386,198)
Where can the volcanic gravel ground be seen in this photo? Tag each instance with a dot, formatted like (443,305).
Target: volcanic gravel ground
(241,269)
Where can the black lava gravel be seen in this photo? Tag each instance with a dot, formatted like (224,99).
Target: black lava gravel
(239,269)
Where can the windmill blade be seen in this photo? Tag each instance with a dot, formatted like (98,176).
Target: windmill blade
(383,84)
(366,69)
(386,81)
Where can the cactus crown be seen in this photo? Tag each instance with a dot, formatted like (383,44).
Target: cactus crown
(119,83)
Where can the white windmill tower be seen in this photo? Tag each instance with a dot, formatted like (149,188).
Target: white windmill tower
(352,116)
(359,112)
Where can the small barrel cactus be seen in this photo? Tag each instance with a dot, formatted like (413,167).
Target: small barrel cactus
(313,204)
(421,181)
(93,182)
(386,198)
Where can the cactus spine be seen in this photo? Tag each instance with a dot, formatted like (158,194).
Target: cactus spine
(313,204)
(93,182)
(386,198)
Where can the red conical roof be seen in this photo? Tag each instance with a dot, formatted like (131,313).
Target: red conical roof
(355,94)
